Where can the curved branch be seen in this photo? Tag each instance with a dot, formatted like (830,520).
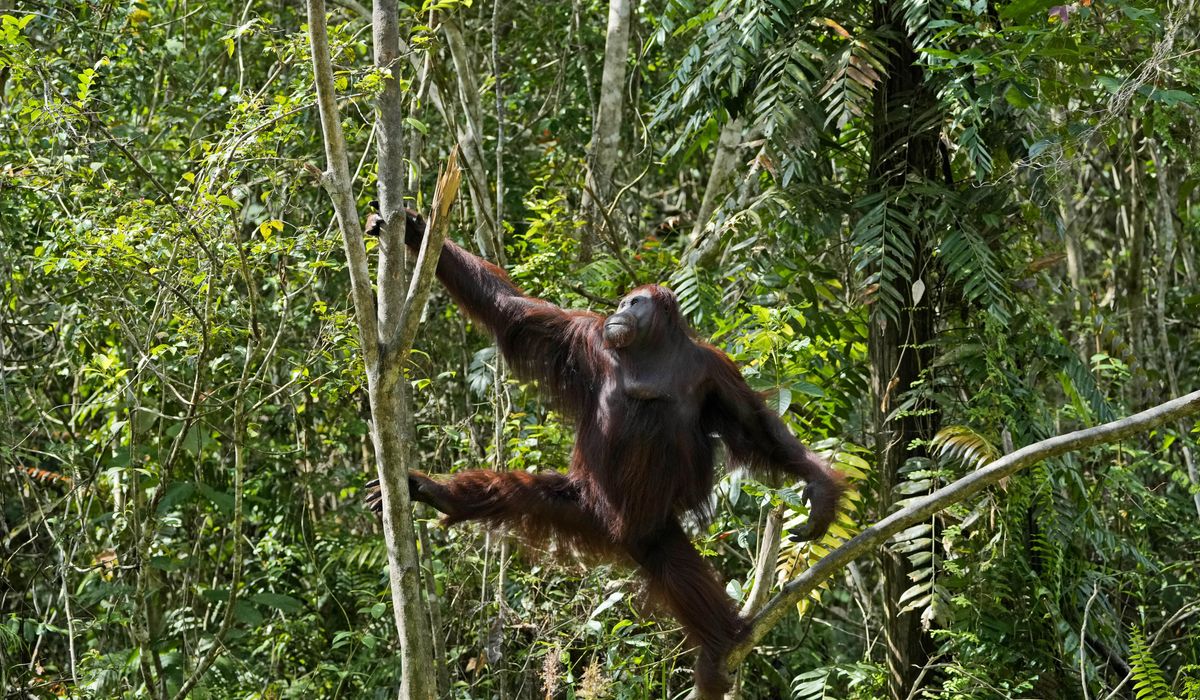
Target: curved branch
(872,537)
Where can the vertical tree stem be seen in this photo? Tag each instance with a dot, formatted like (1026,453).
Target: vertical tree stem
(386,389)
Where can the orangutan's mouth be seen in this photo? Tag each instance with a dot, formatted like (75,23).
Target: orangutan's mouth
(618,333)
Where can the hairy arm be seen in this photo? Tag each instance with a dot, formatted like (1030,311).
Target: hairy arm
(758,440)
(540,341)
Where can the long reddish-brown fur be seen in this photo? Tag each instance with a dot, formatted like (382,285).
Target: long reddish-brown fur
(643,456)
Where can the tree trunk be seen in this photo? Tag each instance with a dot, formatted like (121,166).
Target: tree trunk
(895,365)
(1165,239)
(724,162)
(1135,225)
(470,139)
(387,326)
(606,130)
(1075,273)
(904,145)
(392,434)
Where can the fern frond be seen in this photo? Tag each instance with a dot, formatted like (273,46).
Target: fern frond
(917,16)
(971,141)
(811,685)
(1149,683)
(1079,381)
(963,443)
(885,243)
(697,297)
(969,261)
(855,71)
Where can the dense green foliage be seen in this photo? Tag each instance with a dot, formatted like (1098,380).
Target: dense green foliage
(183,426)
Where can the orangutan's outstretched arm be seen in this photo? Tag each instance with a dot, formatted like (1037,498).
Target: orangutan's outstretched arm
(758,440)
(542,342)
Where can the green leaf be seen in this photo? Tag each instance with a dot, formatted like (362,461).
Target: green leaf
(343,638)
(215,595)
(783,399)
(1021,10)
(1136,13)
(1109,83)
(220,499)
(1040,147)
(417,124)
(247,613)
(195,441)
(1017,96)
(267,228)
(610,601)
(176,493)
(1172,97)
(279,601)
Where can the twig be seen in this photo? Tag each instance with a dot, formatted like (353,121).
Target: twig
(1087,608)
(594,298)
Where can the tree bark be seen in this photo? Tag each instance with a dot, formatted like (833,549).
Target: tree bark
(904,146)
(470,136)
(1166,248)
(895,366)
(724,162)
(1135,225)
(386,338)
(389,140)
(606,129)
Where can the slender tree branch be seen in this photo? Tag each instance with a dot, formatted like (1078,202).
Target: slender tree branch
(470,136)
(764,567)
(498,91)
(336,180)
(431,247)
(235,582)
